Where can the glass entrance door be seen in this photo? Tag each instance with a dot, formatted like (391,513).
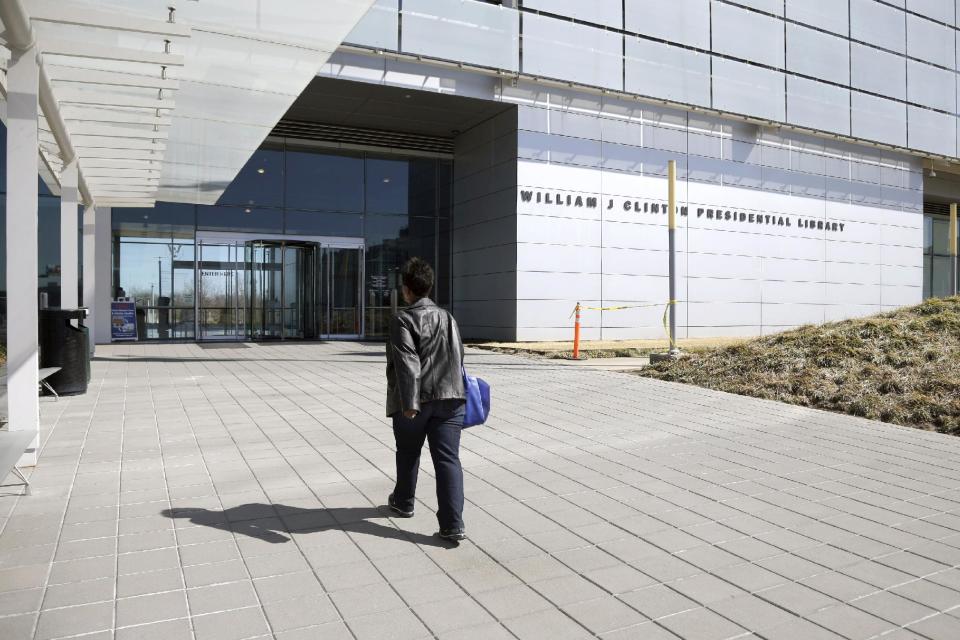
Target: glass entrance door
(222,298)
(345,291)
(279,290)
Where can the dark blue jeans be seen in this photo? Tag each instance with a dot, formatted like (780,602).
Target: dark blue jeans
(440,424)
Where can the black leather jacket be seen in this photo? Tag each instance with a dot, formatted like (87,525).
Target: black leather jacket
(424,357)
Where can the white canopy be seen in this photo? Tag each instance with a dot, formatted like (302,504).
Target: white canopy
(166,100)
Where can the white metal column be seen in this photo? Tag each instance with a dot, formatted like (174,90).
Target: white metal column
(69,249)
(23,78)
(90,269)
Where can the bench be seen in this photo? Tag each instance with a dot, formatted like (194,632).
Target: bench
(44,373)
(13,444)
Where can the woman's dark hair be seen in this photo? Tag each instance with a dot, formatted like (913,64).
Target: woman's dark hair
(417,276)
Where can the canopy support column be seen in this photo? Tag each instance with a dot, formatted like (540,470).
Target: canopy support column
(23,110)
(69,242)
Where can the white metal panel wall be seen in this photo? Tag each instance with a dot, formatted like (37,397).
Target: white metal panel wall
(737,278)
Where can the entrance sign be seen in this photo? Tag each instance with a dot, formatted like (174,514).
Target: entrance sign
(123,320)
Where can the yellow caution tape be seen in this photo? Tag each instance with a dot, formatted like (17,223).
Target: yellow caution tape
(666,314)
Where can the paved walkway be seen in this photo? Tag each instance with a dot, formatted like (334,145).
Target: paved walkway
(233,492)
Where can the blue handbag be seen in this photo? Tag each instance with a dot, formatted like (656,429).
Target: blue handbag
(478,400)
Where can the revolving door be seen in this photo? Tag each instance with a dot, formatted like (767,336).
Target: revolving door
(279,289)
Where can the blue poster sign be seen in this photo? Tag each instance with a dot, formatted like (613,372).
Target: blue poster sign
(123,320)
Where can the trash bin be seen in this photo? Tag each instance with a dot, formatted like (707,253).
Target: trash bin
(66,346)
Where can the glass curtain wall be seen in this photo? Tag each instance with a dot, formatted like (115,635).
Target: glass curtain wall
(398,205)
(153,263)
(936,256)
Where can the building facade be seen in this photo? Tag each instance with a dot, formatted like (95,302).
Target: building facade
(522,147)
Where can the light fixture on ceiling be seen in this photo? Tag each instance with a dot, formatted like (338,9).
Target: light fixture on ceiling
(261,171)
(933,174)
(246,210)
(407,96)
(386,180)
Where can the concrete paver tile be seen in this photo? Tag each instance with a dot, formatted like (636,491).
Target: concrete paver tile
(295,613)
(329,631)
(604,614)
(348,576)
(18,626)
(201,575)
(230,625)
(551,624)
(587,559)
(619,579)
(658,601)
(143,561)
(705,588)
(893,607)
(400,624)
(151,608)
(361,601)
(146,541)
(21,601)
(430,588)
(79,570)
(839,586)
(645,630)
(538,568)
(487,577)
(66,595)
(939,626)
(409,565)
(55,623)
(166,630)
(511,602)
(220,597)
(930,594)
(456,613)
(752,613)
(139,584)
(208,552)
(851,622)
(701,624)
(797,598)
(488,631)
(568,589)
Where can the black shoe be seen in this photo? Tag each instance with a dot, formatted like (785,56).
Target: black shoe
(403,513)
(454,535)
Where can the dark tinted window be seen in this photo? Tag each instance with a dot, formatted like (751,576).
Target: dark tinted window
(259,183)
(323,182)
(240,219)
(315,223)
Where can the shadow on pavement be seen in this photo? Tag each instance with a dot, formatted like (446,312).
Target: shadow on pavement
(275,522)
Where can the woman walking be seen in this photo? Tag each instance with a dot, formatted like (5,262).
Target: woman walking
(425,398)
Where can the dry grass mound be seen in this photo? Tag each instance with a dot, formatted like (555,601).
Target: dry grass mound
(901,367)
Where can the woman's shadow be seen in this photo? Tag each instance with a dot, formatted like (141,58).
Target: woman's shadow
(275,523)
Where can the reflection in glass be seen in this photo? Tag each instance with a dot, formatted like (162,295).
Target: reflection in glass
(400,186)
(240,219)
(390,241)
(316,223)
(345,292)
(324,182)
(259,183)
(48,248)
